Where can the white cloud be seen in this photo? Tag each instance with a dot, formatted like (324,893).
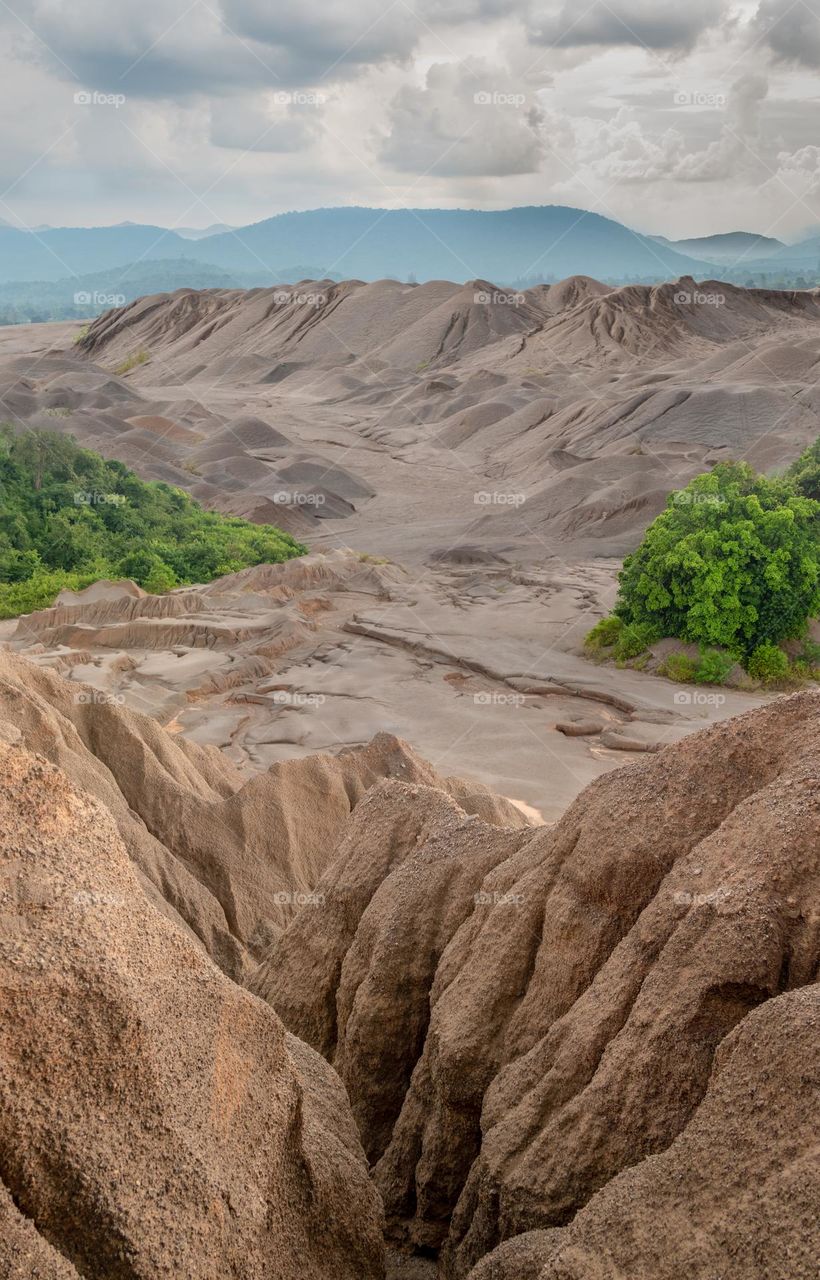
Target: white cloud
(739,148)
(290,125)
(468,119)
(800,170)
(591,117)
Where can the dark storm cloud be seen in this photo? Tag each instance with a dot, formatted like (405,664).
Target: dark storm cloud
(179,48)
(652,24)
(175,48)
(326,34)
(791,31)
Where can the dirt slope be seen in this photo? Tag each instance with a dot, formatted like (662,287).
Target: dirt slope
(735,1194)
(481,667)
(552,1040)
(374,414)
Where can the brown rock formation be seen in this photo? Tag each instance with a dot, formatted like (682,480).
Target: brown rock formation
(573,1053)
(520,1258)
(232,859)
(735,1195)
(354,971)
(156,1120)
(571,987)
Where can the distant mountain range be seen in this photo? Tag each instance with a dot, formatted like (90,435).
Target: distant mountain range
(733,248)
(453,244)
(546,242)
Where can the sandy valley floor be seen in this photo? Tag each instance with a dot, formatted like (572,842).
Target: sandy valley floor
(468,478)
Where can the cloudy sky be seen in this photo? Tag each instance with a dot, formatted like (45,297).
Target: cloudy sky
(681,117)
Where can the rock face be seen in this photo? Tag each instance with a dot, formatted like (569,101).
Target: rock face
(520,1258)
(232,860)
(521,1017)
(735,1195)
(24,1254)
(354,971)
(156,1119)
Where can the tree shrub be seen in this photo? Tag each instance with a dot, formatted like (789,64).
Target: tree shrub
(633,639)
(714,666)
(680,668)
(604,634)
(733,561)
(768,663)
(805,472)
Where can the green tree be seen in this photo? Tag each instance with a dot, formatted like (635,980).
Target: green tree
(734,561)
(71,539)
(161,578)
(805,472)
(68,516)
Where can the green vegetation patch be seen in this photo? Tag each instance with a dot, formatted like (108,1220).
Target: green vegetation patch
(132,362)
(69,517)
(768,663)
(804,474)
(732,565)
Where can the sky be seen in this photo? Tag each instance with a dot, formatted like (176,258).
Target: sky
(677,117)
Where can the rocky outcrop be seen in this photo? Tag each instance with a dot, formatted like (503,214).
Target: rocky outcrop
(735,1195)
(556,998)
(232,859)
(353,974)
(24,1253)
(521,1258)
(156,1119)
(724,921)
(553,1039)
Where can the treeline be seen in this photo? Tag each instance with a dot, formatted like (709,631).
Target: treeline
(84,297)
(69,517)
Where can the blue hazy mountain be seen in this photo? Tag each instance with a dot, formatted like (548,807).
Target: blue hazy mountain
(509,246)
(455,244)
(732,248)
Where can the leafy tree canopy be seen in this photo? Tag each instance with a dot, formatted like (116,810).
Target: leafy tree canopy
(734,561)
(805,472)
(69,517)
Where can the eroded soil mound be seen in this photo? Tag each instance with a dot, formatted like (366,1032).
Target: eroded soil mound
(411,419)
(571,1053)
(520,1017)
(232,860)
(736,1193)
(156,1119)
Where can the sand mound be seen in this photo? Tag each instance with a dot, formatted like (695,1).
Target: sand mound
(156,1120)
(405,418)
(319,322)
(520,1017)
